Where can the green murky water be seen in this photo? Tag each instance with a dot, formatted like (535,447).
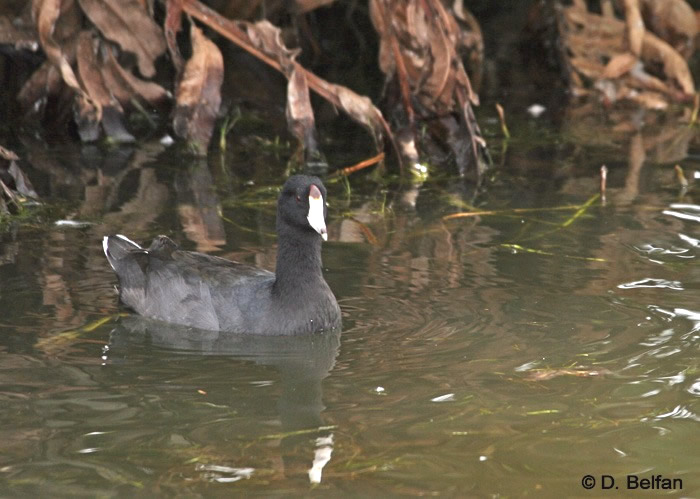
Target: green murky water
(506,354)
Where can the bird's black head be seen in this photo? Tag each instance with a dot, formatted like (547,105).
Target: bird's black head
(302,205)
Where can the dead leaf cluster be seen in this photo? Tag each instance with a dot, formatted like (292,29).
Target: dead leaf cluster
(83,41)
(15,187)
(421,52)
(105,59)
(640,57)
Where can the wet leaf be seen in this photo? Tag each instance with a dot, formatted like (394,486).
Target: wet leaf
(198,95)
(128,23)
(90,70)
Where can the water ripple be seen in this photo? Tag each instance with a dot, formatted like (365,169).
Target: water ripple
(695,388)
(679,412)
(653,283)
(684,214)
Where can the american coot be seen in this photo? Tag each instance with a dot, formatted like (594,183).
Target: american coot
(208,292)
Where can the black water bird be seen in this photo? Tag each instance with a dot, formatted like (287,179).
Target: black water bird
(207,292)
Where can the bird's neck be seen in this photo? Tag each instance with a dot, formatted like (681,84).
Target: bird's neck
(298,267)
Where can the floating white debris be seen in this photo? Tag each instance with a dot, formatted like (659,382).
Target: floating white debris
(448,397)
(89,450)
(167,140)
(213,472)
(527,366)
(536,110)
(72,223)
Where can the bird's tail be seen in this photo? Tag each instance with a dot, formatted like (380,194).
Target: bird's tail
(117,247)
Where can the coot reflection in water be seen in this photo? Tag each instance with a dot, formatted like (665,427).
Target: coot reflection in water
(302,363)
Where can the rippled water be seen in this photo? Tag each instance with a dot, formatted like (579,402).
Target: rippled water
(510,353)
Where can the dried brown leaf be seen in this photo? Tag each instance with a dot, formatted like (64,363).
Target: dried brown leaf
(90,72)
(300,115)
(46,14)
(125,85)
(267,38)
(91,69)
(675,67)
(634,26)
(128,23)
(198,95)
(619,65)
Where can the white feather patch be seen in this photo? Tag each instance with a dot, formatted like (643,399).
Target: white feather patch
(105,248)
(124,238)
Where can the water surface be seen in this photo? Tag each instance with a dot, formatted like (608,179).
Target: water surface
(505,354)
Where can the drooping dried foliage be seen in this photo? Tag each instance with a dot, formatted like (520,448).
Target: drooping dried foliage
(420,51)
(106,59)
